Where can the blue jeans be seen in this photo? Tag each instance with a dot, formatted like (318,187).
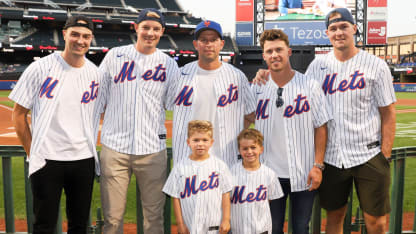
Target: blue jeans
(302,203)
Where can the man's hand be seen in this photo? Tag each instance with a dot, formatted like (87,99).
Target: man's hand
(262,76)
(182,229)
(314,178)
(225,227)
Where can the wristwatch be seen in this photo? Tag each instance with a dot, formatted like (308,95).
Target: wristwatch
(320,166)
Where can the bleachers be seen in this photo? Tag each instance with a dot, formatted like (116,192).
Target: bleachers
(106,3)
(171,5)
(42,37)
(175,19)
(112,39)
(164,43)
(193,20)
(142,4)
(71,2)
(183,41)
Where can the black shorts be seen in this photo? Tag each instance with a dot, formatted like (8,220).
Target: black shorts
(371,180)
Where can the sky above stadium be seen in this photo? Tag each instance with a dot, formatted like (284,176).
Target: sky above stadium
(401,14)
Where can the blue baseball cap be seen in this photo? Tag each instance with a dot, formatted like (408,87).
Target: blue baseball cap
(208,25)
(345,16)
(146,14)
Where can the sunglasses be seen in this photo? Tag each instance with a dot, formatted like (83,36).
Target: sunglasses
(279,101)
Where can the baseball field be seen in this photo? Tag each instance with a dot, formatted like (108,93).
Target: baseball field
(405,136)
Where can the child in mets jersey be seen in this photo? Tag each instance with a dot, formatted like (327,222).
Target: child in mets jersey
(254,185)
(200,185)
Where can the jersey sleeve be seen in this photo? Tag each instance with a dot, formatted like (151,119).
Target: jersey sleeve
(248,96)
(171,187)
(383,89)
(226,180)
(27,87)
(105,79)
(275,190)
(173,81)
(321,111)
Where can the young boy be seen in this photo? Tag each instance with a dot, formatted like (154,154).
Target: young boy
(200,185)
(255,184)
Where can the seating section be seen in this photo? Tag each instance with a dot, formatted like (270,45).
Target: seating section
(70,2)
(142,4)
(171,5)
(42,37)
(183,41)
(228,45)
(193,20)
(174,19)
(112,39)
(106,3)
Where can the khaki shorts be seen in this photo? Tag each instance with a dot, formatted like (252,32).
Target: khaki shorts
(371,180)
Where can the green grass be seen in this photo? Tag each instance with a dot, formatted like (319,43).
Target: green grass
(406,95)
(405,136)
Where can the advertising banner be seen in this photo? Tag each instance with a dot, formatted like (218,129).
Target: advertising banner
(404,87)
(377,32)
(244,10)
(244,33)
(302,32)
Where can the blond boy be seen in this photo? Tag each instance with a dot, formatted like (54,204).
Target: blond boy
(199,185)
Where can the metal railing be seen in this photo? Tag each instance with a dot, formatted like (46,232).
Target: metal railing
(399,156)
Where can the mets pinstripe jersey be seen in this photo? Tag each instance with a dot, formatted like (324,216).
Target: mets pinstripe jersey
(354,90)
(199,185)
(250,211)
(134,87)
(304,109)
(234,100)
(39,89)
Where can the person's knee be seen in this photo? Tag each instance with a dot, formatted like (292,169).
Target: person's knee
(337,215)
(375,224)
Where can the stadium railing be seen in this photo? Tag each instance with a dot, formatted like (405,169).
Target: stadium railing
(399,156)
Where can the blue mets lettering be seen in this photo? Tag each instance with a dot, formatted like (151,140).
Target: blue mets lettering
(184,96)
(232,96)
(357,81)
(89,96)
(261,109)
(126,72)
(251,197)
(47,87)
(204,185)
(150,75)
(299,107)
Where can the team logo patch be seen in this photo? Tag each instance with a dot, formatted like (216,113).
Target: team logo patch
(90,96)
(47,87)
(231,97)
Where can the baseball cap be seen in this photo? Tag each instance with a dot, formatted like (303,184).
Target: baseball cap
(208,25)
(345,16)
(146,14)
(79,21)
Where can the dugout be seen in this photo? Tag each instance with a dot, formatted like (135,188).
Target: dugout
(249,59)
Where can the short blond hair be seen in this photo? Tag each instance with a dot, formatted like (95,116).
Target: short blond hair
(152,14)
(251,134)
(202,126)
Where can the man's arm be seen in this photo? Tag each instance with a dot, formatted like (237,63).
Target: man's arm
(315,175)
(388,128)
(249,119)
(182,229)
(21,126)
(226,213)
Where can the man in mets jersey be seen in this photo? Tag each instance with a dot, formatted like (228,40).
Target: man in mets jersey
(135,83)
(359,88)
(61,91)
(292,114)
(209,89)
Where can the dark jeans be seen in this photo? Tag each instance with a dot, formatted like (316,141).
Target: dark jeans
(302,203)
(76,178)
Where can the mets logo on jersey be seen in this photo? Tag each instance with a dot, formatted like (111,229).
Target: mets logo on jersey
(47,87)
(185,94)
(88,96)
(301,105)
(126,72)
(191,188)
(357,82)
(239,196)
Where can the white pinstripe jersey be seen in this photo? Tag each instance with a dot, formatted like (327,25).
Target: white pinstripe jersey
(199,185)
(354,90)
(39,88)
(250,210)
(135,91)
(304,109)
(234,100)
